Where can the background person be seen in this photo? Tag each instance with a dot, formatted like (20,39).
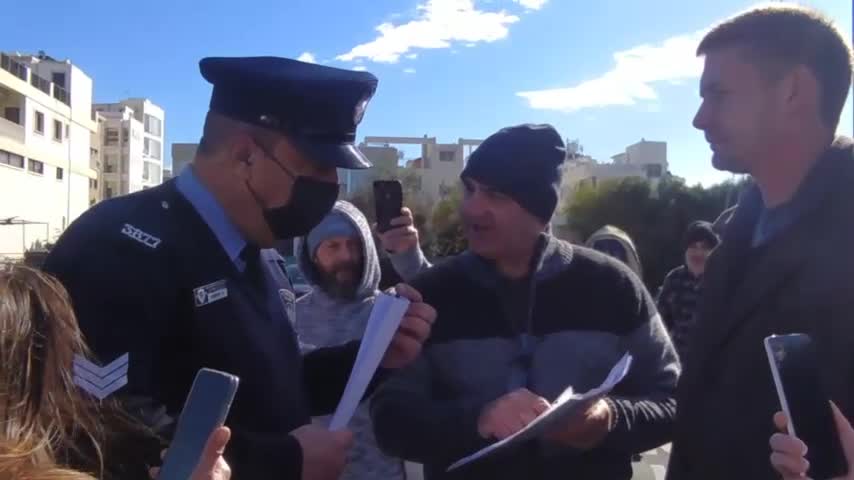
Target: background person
(339,259)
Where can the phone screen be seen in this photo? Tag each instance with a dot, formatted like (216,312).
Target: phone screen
(205,410)
(796,371)
(388,197)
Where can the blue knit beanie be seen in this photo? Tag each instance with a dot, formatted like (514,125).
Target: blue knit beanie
(333,225)
(524,163)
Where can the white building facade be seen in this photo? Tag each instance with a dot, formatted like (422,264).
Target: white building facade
(46,126)
(132,148)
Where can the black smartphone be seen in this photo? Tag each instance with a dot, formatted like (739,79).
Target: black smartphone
(797,376)
(205,410)
(388,200)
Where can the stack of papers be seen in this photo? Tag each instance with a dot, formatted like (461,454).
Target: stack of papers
(384,321)
(567,405)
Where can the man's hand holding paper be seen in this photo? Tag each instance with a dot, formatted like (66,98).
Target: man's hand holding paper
(507,415)
(586,430)
(413,331)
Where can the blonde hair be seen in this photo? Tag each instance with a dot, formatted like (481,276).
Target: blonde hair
(45,419)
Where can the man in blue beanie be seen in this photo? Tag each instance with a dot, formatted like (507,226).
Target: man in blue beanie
(521,316)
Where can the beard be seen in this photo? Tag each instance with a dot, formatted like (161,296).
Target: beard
(342,280)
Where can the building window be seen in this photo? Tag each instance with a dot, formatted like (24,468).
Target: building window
(59,173)
(13,114)
(446,156)
(36,167)
(653,171)
(151,148)
(39,123)
(9,158)
(111,137)
(153,126)
(125,135)
(59,78)
(57,130)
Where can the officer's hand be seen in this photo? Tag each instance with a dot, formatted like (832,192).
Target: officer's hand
(413,331)
(509,414)
(324,453)
(587,430)
(211,465)
(403,237)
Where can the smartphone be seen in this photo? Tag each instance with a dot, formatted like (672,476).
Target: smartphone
(388,200)
(796,372)
(205,410)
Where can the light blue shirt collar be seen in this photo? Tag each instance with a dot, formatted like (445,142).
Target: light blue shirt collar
(213,214)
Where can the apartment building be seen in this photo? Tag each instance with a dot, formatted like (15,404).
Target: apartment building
(132,146)
(645,159)
(437,170)
(46,129)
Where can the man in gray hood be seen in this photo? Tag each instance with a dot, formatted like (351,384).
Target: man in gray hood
(339,260)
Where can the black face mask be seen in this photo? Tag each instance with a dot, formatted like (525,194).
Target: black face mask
(311,200)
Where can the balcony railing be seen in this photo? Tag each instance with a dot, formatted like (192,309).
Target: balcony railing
(15,68)
(40,83)
(11,130)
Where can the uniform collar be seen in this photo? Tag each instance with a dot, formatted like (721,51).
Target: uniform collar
(207,206)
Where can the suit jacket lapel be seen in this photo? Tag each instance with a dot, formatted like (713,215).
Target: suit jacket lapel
(723,312)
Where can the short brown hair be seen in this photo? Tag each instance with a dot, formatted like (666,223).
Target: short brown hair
(219,130)
(779,37)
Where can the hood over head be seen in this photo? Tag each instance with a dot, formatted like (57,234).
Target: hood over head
(370,273)
(612,234)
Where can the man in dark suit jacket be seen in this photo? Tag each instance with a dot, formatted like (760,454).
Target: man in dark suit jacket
(774,85)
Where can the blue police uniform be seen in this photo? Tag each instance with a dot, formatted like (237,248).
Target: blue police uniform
(161,275)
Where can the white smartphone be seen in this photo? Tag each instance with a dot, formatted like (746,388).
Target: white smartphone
(204,411)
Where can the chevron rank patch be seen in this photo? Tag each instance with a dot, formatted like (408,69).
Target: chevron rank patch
(210,293)
(101,382)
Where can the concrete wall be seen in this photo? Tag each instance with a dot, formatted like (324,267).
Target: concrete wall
(647,153)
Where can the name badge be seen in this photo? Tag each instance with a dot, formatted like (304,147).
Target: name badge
(210,293)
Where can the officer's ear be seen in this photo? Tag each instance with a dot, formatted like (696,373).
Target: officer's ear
(243,154)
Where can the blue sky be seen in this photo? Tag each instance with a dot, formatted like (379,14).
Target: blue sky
(608,72)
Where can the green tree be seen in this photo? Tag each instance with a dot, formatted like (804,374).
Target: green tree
(656,220)
(448,236)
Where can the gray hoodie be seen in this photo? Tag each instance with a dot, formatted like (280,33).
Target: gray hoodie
(323,321)
(610,232)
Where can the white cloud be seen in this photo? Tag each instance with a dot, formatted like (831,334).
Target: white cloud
(632,78)
(439,24)
(307,57)
(412,56)
(409,70)
(531,4)
(360,68)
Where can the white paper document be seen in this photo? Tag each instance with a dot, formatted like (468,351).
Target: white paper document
(384,321)
(564,407)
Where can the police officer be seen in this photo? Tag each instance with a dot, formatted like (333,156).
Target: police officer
(181,276)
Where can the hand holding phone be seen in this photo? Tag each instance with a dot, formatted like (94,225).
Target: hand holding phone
(205,410)
(388,201)
(796,372)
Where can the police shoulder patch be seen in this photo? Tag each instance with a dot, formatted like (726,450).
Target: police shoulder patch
(140,236)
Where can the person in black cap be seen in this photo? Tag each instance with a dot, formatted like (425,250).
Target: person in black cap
(521,316)
(681,290)
(183,276)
